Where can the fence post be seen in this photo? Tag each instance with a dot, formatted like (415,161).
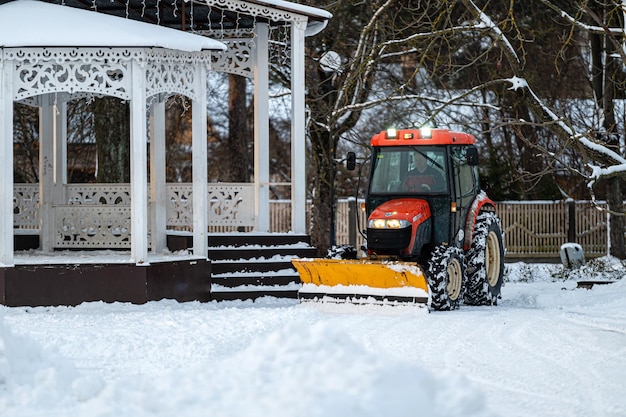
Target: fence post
(352,207)
(571,221)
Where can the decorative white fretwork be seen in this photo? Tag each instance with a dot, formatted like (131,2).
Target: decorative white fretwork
(179,205)
(98,215)
(174,72)
(95,216)
(53,70)
(99,226)
(103,71)
(230,205)
(254,10)
(280,45)
(236,59)
(26,206)
(91,194)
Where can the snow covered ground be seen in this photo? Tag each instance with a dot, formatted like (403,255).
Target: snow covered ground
(548,349)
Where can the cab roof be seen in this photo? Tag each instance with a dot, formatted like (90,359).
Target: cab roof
(423,136)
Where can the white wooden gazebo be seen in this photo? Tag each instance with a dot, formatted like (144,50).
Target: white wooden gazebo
(142,51)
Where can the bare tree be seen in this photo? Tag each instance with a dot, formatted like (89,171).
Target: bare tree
(238,166)
(514,74)
(26,144)
(112,132)
(81,152)
(343,74)
(594,138)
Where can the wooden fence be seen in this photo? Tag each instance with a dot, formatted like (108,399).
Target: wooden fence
(532,229)
(537,229)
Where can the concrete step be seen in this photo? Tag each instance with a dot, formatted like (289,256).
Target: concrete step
(247,268)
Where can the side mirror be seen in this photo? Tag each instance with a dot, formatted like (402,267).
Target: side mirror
(351,161)
(472,156)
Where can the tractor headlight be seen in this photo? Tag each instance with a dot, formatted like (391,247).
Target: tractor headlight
(378,224)
(397,224)
(388,224)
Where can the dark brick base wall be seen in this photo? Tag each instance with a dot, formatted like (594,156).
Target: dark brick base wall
(64,284)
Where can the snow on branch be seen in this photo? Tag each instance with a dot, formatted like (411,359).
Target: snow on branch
(613,33)
(599,172)
(360,70)
(546,110)
(413,97)
(584,26)
(517,83)
(428,35)
(616,163)
(487,23)
(601,149)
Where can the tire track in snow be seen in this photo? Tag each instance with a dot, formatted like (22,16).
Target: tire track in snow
(550,362)
(534,358)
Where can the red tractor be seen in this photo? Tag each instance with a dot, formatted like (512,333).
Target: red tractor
(433,236)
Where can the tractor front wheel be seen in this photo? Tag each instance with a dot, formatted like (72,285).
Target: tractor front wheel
(485,262)
(446,278)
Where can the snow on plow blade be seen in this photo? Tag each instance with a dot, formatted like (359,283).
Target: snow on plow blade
(361,281)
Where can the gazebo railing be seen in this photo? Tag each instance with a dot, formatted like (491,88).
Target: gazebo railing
(231,205)
(26,208)
(98,215)
(93,216)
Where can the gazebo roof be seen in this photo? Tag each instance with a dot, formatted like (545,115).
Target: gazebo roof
(51,25)
(200,15)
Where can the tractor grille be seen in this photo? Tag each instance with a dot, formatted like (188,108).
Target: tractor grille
(388,241)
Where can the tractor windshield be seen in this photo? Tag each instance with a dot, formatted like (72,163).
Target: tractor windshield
(409,170)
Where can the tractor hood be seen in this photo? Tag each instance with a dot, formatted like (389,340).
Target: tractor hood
(414,210)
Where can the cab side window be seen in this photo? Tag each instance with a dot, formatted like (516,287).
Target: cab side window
(465,173)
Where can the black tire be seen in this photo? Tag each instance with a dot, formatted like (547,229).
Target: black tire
(485,261)
(342,252)
(446,278)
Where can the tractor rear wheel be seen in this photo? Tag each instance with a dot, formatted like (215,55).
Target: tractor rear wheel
(446,278)
(485,261)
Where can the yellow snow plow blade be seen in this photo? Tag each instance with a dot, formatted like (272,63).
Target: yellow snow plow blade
(361,280)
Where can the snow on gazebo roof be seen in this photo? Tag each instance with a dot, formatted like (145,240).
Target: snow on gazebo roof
(318,18)
(32,23)
(311,12)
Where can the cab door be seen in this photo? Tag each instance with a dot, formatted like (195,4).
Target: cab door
(465,183)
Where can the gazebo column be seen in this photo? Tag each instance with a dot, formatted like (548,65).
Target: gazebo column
(60,150)
(6,171)
(158,186)
(199,165)
(46,172)
(52,164)
(138,166)
(261,128)
(298,129)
